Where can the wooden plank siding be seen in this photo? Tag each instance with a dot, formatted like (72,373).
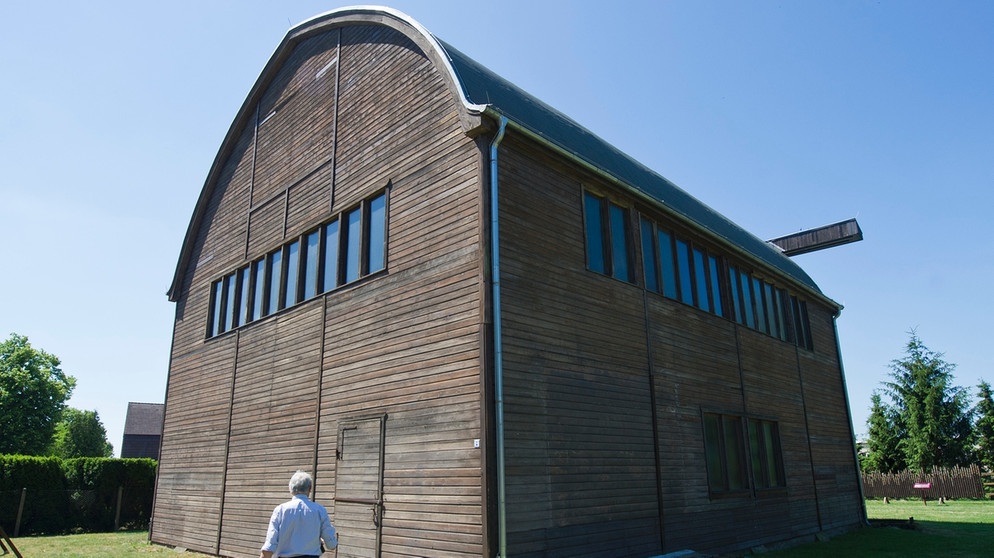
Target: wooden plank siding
(580,458)
(273,420)
(405,341)
(579,347)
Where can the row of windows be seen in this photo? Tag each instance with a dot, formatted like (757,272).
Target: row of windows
(350,246)
(742,454)
(682,270)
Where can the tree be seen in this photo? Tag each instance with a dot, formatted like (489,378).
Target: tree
(933,414)
(984,428)
(33,393)
(80,434)
(883,446)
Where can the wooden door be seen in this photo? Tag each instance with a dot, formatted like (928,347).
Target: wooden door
(359,487)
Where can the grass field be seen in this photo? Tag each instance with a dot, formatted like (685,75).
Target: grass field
(95,545)
(955,529)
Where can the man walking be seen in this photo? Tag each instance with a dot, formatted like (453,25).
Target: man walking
(298,527)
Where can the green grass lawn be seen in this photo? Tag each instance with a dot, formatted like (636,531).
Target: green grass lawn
(94,545)
(955,529)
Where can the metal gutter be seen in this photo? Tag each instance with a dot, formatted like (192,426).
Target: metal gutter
(498,351)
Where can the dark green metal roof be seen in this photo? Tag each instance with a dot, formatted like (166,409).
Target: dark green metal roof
(483,87)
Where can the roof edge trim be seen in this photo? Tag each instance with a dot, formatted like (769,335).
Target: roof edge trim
(433,41)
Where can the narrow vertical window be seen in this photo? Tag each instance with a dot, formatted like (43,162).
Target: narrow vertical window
(311,261)
(715,285)
(774,456)
(771,313)
(733,288)
(666,264)
(331,255)
(245,295)
(231,306)
(683,268)
(649,256)
(734,452)
(275,279)
(757,293)
(747,299)
(353,243)
(377,233)
(594,232)
(259,299)
(217,304)
(701,281)
(764,449)
(712,451)
(619,242)
(805,325)
(292,273)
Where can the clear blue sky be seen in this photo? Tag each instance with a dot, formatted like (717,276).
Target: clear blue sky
(781,115)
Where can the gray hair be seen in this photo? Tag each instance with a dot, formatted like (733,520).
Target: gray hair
(300,483)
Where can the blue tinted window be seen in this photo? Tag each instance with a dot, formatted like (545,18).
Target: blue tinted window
(245,292)
(292,270)
(311,264)
(594,230)
(217,298)
(649,257)
(805,336)
(771,313)
(701,276)
(715,285)
(275,279)
(231,306)
(747,299)
(683,268)
(666,264)
(331,255)
(259,300)
(619,242)
(377,233)
(733,288)
(781,296)
(757,294)
(353,239)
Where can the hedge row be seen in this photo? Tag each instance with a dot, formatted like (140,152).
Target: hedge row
(74,495)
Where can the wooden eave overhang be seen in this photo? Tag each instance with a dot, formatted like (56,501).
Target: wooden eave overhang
(483,93)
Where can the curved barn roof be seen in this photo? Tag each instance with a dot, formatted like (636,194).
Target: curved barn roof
(484,93)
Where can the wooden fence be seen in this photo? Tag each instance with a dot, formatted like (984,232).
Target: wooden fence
(956,482)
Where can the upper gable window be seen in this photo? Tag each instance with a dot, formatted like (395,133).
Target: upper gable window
(607,237)
(343,250)
(682,269)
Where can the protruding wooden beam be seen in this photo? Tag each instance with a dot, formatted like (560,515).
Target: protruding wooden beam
(820,238)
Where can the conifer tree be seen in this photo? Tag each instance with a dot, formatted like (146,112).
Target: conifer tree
(884,451)
(984,428)
(932,412)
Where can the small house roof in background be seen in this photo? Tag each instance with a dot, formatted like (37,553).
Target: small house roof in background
(144,419)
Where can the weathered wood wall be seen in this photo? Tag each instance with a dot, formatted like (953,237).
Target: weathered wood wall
(249,407)
(583,353)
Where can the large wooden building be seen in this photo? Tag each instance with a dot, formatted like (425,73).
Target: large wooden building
(486,331)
